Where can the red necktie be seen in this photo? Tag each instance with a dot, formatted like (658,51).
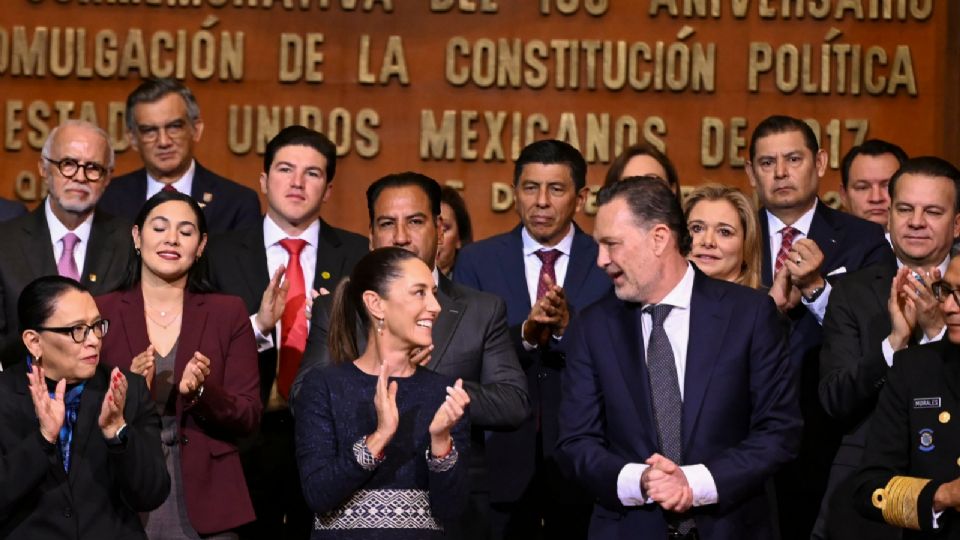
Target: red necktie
(549,259)
(293,323)
(168,187)
(788,233)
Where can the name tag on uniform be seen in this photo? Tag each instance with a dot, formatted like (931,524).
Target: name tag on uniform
(926,403)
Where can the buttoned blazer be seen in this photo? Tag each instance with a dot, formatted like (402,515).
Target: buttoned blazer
(28,254)
(227,205)
(496,266)
(106,486)
(228,410)
(740,414)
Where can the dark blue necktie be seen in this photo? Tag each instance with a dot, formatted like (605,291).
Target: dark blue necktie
(71,403)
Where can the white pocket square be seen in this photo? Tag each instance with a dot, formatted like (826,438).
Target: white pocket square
(841,270)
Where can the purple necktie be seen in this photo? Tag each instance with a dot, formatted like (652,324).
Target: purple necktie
(549,259)
(67,266)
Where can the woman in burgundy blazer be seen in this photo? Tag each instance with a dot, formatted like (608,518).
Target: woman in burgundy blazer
(196,351)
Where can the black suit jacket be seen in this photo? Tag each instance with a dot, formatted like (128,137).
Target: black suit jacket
(11,209)
(227,205)
(740,417)
(106,486)
(914,433)
(28,254)
(848,244)
(237,265)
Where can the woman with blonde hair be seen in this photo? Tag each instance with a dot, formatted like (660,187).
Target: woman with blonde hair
(723,225)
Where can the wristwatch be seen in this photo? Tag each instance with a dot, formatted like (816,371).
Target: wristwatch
(119,438)
(812,297)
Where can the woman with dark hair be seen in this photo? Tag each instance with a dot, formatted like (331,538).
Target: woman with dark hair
(644,159)
(456,229)
(197,353)
(79,443)
(380,442)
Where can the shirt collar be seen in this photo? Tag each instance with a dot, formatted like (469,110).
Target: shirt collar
(531,246)
(273,234)
(679,296)
(942,266)
(58,230)
(436,276)
(803,224)
(184,184)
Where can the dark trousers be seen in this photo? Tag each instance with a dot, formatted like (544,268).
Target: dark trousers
(270,467)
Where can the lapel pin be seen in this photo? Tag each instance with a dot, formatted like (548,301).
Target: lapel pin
(207,197)
(944,417)
(325,275)
(92,278)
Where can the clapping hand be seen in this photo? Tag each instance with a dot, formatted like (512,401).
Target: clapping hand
(144,364)
(111,411)
(388,417)
(447,416)
(272,302)
(197,370)
(50,410)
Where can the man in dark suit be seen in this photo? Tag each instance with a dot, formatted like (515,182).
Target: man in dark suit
(470,337)
(805,243)
(163,125)
(11,209)
(64,235)
(294,245)
(678,400)
(550,188)
(908,476)
(863,329)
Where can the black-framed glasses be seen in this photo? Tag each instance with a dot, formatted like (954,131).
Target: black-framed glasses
(69,167)
(942,289)
(174,130)
(79,332)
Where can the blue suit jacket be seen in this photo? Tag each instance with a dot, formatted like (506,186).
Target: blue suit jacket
(740,413)
(495,265)
(11,209)
(227,205)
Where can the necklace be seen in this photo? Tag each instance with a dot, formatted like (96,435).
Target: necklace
(163,315)
(160,324)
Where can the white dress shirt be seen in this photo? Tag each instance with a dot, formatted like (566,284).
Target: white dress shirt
(183,185)
(887,349)
(677,328)
(819,306)
(532,265)
(58,230)
(276,256)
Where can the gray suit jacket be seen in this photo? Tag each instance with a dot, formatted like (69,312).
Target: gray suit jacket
(27,255)
(471,341)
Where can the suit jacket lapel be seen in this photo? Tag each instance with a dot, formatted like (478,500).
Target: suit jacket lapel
(331,261)
(514,271)
(88,417)
(827,234)
(766,273)
(708,317)
(582,259)
(35,245)
(191,331)
(202,185)
(102,249)
(625,322)
(133,323)
(451,311)
(252,263)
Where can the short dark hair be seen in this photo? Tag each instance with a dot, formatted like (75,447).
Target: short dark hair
(871,147)
(302,136)
(196,277)
(929,166)
(152,90)
(38,300)
(552,152)
(404,179)
(452,197)
(650,201)
(373,272)
(779,123)
(615,172)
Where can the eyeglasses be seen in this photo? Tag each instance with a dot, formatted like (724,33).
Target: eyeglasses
(941,289)
(80,332)
(69,167)
(174,130)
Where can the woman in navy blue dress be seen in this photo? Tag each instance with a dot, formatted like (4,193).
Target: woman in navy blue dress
(381,441)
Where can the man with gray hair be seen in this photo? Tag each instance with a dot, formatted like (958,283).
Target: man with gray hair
(164,125)
(64,235)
